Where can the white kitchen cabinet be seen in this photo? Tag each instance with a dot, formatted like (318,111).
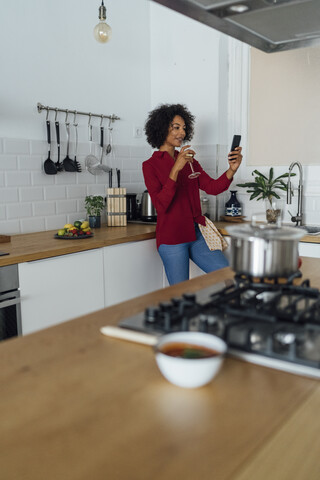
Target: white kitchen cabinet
(309,249)
(194,270)
(57,289)
(130,270)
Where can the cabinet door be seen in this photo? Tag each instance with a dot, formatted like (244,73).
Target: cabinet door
(309,249)
(61,288)
(131,269)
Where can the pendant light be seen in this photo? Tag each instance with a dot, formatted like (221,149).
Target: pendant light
(102,31)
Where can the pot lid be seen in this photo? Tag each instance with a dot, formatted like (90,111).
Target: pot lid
(266,232)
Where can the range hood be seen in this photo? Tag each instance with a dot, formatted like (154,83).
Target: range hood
(269,25)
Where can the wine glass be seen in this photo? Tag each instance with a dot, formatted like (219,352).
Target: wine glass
(193,174)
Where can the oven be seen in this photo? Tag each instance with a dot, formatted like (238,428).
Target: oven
(10,312)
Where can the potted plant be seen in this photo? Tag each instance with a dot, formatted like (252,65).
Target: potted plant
(94,206)
(264,188)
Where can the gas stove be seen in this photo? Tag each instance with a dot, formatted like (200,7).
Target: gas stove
(274,324)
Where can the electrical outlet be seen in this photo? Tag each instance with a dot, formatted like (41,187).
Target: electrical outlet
(137,132)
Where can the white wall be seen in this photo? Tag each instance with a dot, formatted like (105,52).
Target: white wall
(49,55)
(239,105)
(185,68)
(285,87)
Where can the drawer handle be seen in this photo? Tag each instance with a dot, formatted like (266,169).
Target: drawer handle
(8,303)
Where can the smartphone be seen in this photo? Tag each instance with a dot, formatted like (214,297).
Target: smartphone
(235,142)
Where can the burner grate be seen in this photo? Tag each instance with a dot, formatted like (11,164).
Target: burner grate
(276,321)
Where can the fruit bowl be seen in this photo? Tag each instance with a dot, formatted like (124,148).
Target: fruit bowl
(73,237)
(78,231)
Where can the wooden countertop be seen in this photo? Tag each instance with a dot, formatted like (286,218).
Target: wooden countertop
(76,405)
(39,245)
(36,246)
(222,226)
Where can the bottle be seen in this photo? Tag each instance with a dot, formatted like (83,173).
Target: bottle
(205,206)
(233,206)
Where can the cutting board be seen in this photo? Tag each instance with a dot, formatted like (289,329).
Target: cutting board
(238,219)
(5,238)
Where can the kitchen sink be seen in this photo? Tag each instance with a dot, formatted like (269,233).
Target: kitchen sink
(311,229)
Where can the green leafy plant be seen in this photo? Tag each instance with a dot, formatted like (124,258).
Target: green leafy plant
(263,187)
(94,205)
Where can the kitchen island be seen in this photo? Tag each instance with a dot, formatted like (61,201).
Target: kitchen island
(77,405)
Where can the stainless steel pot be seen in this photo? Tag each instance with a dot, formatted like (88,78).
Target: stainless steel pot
(148,212)
(264,250)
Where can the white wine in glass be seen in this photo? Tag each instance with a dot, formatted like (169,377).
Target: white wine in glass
(193,174)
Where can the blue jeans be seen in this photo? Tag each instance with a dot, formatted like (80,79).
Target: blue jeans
(175,258)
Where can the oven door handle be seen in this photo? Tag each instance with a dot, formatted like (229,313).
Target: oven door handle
(8,303)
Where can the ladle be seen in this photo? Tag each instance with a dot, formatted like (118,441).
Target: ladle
(109,146)
(49,165)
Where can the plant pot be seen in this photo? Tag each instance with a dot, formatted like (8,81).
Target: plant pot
(95,221)
(274,211)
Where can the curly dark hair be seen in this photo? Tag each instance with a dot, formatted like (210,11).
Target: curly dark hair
(159,119)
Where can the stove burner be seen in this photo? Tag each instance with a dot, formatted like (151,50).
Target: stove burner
(285,338)
(275,320)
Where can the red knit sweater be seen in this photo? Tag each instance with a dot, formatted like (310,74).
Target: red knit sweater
(178,203)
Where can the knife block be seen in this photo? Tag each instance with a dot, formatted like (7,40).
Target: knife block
(116,207)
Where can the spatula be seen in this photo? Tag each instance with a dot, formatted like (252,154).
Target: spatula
(68,164)
(49,165)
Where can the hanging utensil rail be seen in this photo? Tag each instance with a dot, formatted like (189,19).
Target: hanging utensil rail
(89,114)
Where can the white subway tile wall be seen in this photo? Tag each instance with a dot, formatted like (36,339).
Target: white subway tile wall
(32,201)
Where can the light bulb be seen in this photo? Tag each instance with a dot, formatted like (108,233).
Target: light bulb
(102,32)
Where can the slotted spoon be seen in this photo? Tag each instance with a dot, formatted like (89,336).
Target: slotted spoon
(68,164)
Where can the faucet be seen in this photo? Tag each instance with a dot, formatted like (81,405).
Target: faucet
(297,218)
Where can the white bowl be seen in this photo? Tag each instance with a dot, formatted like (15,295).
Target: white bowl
(185,372)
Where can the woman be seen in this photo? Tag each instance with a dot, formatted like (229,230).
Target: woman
(176,197)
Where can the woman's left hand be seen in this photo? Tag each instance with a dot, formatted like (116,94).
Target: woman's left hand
(234,159)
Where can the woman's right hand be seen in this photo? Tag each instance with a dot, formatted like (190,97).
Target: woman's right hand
(185,155)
